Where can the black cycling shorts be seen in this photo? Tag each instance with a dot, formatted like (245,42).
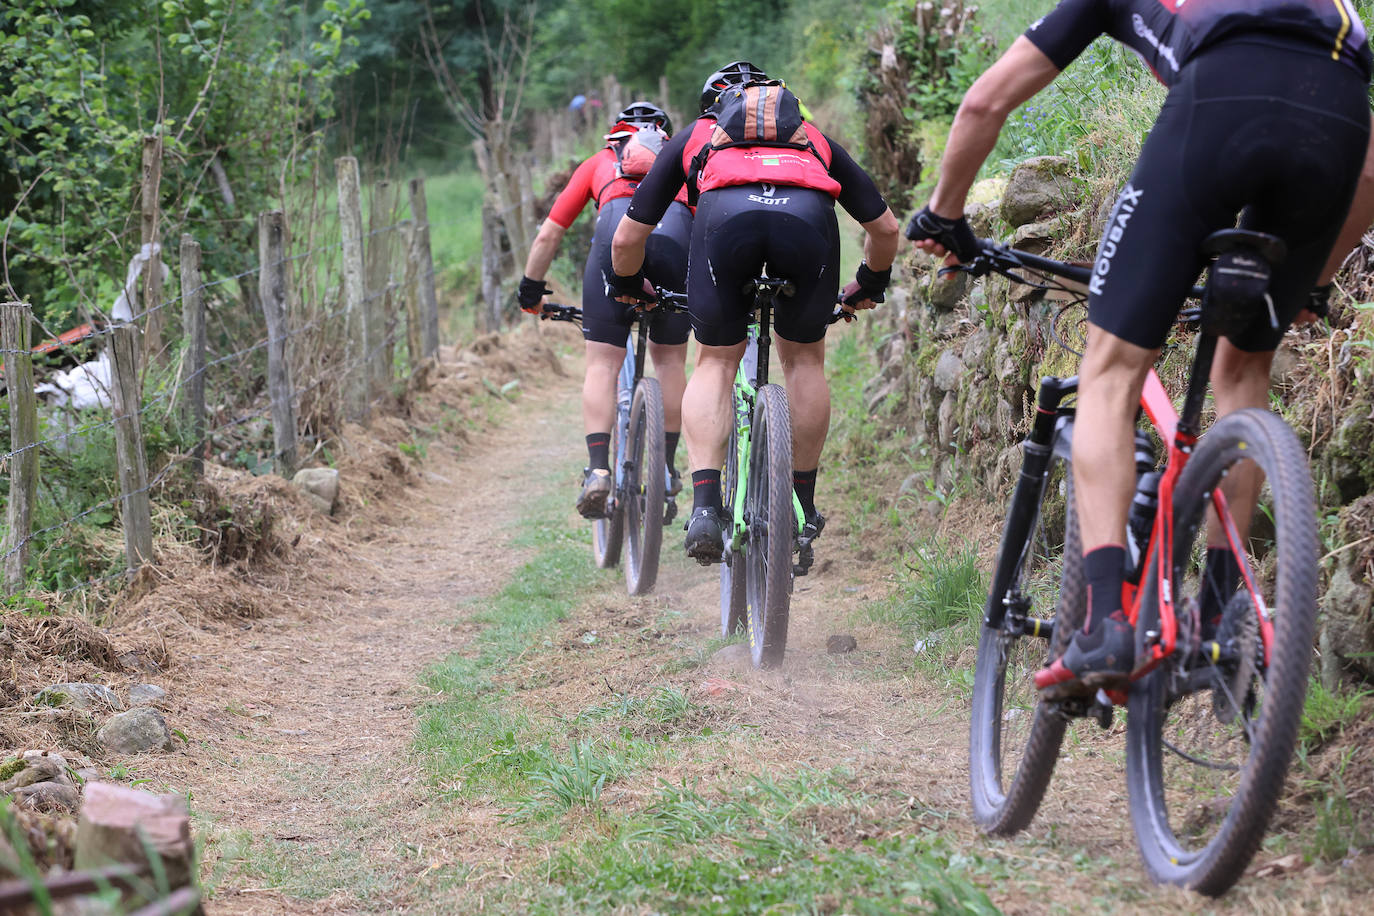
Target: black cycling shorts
(665,264)
(1275,134)
(745,231)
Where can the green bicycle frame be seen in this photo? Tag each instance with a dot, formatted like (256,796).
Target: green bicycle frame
(745,393)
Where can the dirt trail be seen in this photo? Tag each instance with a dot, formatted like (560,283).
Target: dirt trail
(300,727)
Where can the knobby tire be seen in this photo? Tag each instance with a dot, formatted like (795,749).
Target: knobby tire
(1289,585)
(1002,687)
(608,534)
(772,528)
(644,487)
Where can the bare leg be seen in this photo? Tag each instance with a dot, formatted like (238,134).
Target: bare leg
(1110,380)
(706,411)
(598,386)
(808,392)
(1239,380)
(670,365)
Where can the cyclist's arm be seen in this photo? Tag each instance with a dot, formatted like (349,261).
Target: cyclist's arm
(544,249)
(566,208)
(1019,74)
(627,246)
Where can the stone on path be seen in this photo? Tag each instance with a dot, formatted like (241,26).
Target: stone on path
(78,696)
(320,486)
(840,644)
(116,822)
(133,732)
(145,694)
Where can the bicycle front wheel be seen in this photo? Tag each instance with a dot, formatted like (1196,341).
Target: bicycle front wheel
(1014,737)
(772,528)
(608,534)
(1210,735)
(644,487)
(732,601)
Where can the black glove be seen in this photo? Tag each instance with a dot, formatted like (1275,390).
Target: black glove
(1319,300)
(954,234)
(633,285)
(531,294)
(872,284)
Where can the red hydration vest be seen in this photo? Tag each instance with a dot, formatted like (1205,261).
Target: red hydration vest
(737,165)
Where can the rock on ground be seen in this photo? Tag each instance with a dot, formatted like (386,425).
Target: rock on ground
(136,731)
(145,694)
(839,645)
(79,696)
(320,486)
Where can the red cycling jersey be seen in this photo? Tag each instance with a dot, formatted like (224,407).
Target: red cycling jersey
(595,179)
(737,165)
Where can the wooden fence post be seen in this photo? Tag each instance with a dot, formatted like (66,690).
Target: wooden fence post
(381,321)
(126,396)
(272,291)
(16,319)
(150,234)
(410,293)
(193,364)
(422,261)
(356,402)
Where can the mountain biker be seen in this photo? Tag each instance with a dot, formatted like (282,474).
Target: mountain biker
(1267,116)
(606,322)
(751,218)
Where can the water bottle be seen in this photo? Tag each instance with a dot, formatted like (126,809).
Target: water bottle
(1146,500)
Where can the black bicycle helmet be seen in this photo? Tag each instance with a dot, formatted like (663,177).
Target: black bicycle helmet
(644,113)
(732,74)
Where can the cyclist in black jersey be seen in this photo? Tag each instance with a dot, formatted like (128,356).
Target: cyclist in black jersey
(1267,117)
(741,228)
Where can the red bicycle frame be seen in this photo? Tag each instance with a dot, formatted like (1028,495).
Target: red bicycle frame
(1165,417)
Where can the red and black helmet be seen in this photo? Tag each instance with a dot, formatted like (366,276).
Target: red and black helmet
(732,74)
(643,113)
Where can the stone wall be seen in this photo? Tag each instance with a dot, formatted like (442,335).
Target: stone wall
(960,371)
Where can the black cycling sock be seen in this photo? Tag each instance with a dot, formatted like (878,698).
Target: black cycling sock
(1220,578)
(670,448)
(1105,570)
(599,451)
(706,490)
(804,483)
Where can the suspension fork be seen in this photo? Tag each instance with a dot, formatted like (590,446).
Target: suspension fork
(1037,449)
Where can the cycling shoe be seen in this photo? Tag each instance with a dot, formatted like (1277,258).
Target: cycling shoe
(596,492)
(1099,660)
(706,535)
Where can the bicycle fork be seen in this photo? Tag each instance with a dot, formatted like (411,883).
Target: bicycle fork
(1038,450)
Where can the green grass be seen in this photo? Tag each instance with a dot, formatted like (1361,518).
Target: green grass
(1325,713)
(765,847)
(455,220)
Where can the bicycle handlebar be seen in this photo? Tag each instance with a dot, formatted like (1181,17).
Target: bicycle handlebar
(995,257)
(554,312)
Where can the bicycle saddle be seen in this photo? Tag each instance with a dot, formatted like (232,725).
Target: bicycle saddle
(1270,247)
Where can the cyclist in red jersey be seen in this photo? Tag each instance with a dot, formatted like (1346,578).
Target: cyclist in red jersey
(776,211)
(1267,117)
(606,322)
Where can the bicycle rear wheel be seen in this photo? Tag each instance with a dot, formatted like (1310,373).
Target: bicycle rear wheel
(608,534)
(732,601)
(772,528)
(1209,739)
(1014,738)
(644,487)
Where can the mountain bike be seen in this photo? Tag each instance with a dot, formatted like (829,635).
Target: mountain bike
(767,523)
(641,504)
(1212,716)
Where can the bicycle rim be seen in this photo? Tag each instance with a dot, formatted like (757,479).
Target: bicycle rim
(772,528)
(1209,741)
(732,601)
(644,487)
(608,534)
(1014,738)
